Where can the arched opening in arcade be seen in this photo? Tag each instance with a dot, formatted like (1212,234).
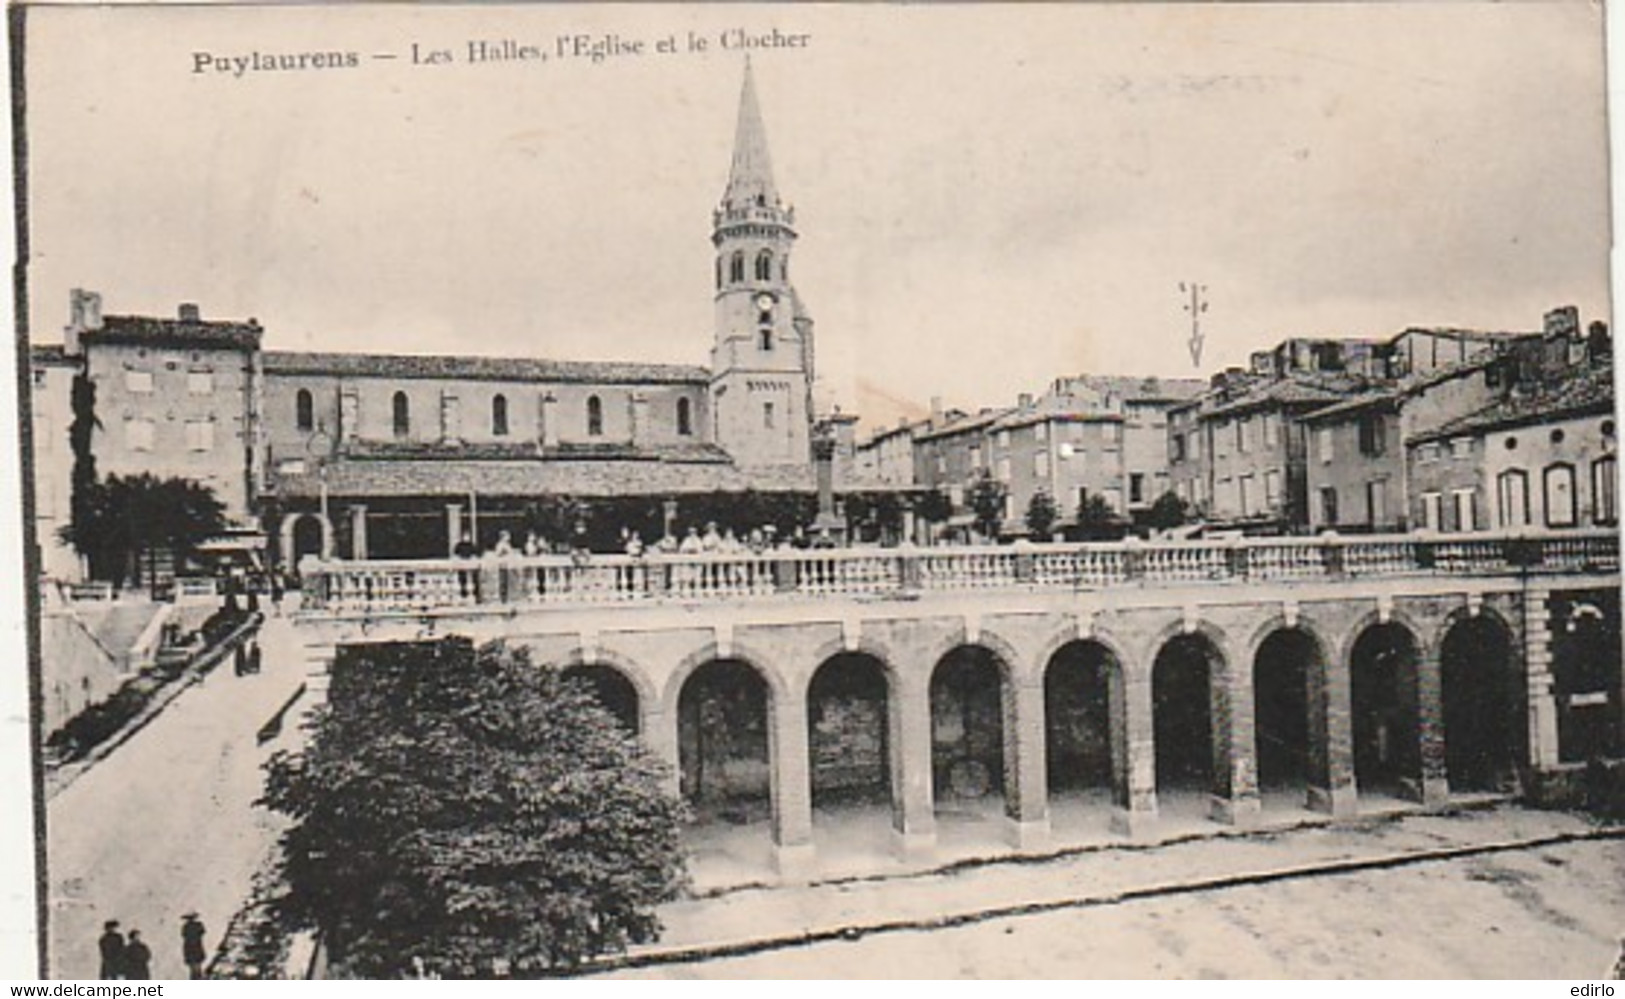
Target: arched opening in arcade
(611,689)
(722,743)
(307,537)
(1480,688)
(1287,671)
(1085,737)
(1384,702)
(848,732)
(967,735)
(1587,676)
(1187,697)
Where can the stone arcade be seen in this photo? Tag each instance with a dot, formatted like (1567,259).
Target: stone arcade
(1069,682)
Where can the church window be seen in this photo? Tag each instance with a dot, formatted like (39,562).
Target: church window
(685,418)
(499,415)
(767,415)
(784,268)
(766,334)
(402,412)
(595,416)
(736,266)
(764,266)
(719,272)
(304,411)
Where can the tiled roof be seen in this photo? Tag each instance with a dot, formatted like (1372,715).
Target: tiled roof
(965,425)
(364,478)
(1294,391)
(1027,417)
(1587,392)
(1459,333)
(510,369)
(49,355)
(175,332)
(1364,400)
(532,450)
(1137,388)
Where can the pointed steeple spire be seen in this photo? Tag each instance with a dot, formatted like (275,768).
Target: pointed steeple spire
(750,181)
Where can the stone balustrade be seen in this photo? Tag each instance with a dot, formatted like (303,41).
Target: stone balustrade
(348,587)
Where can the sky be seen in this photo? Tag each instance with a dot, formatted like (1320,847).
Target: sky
(987,198)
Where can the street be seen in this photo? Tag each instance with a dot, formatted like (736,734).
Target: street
(1553,911)
(166,823)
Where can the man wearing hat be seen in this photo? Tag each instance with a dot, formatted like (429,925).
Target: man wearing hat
(192,933)
(111,944)
(137,957)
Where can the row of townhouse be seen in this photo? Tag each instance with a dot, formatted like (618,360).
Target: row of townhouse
(1086,436)
(1438,429)
(1443,430)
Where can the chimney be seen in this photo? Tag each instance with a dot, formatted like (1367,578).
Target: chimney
(1025,400)
(189,313)
(936,410)
(1563,323)
(84,314)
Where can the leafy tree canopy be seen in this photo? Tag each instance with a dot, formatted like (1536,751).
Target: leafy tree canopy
(987,503)
(124,516)
(474,811)
(1041,515)
(1168,511)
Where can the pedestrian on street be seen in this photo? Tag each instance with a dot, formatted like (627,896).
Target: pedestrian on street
(276,590)
(111,944)
(137,957)
(192,933)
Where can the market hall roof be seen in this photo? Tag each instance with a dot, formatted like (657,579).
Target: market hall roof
(573,477)
(502,369)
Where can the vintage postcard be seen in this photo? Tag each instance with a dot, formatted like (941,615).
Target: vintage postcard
(1113,490)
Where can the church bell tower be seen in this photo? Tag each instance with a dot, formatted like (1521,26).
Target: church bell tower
(762,357)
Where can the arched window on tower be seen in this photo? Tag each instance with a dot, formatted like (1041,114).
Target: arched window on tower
(764,266)
(784,268)
(719,272)
(736,267)
(402,413)
(685,418)
(765,335)
(595,416)
(499,415)
(304,408)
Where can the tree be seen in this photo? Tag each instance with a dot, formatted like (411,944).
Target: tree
(987,503)
(1041,515)
(126,520)
(1096,519)
(1168,511)
(933,507)
(83,499)
(471,810)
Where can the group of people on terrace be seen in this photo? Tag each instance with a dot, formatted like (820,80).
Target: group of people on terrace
(712,540)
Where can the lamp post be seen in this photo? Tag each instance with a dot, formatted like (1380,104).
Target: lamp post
(320,447)
(823,449)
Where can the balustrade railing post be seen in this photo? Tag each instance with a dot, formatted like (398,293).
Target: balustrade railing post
(1024,562)
(784,574)
(1238,560)
(488,582)
(1427,552)
(1523,552)
(1133,559)
(1332,545)
(908,572)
